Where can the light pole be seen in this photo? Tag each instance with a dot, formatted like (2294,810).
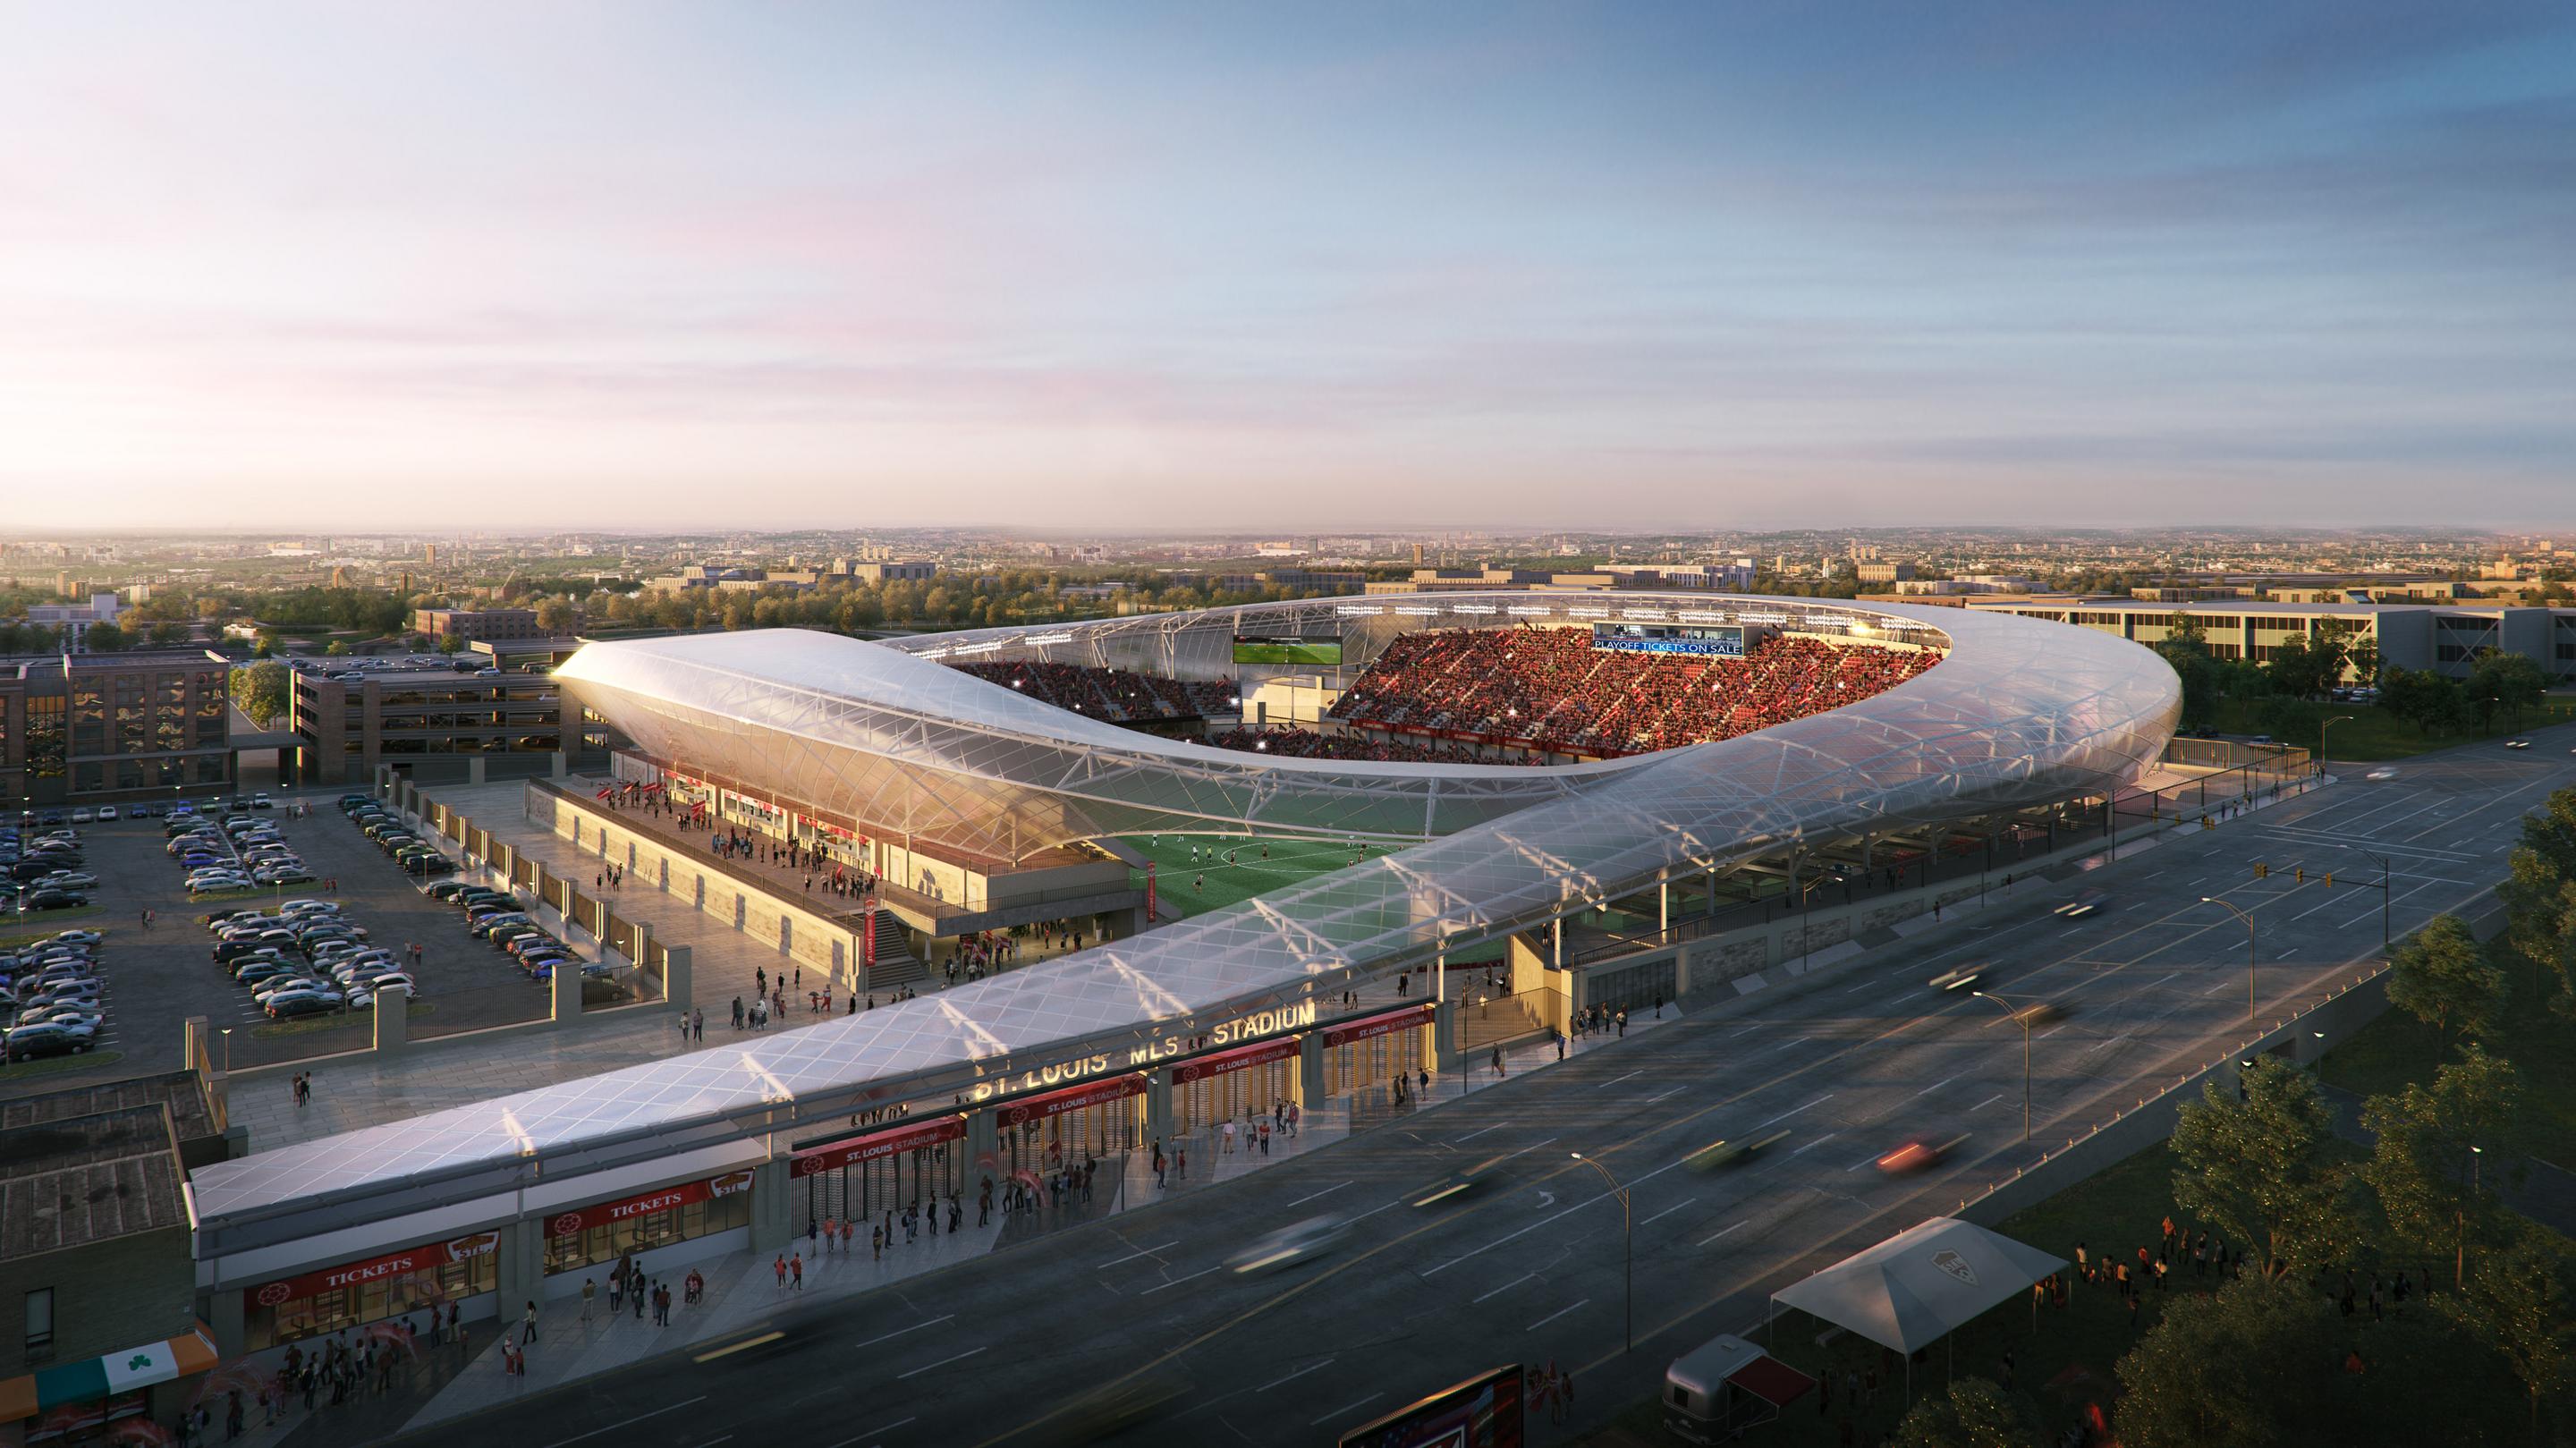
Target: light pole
(2017,1018)
(1628,1234)
(228,1050)
(2249,947)
(2321,740)
(2460,1264)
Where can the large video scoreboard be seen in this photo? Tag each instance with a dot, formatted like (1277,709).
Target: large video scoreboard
(1713,641)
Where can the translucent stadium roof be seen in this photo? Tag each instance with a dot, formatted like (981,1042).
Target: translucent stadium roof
(2021,712)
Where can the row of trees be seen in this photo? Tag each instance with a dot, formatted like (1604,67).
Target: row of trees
(2286,690)
(2271,1359)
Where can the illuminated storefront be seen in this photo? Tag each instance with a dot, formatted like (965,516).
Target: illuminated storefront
(604,1232)
(434,1273)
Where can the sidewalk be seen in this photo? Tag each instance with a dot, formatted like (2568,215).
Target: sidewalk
(742,1288)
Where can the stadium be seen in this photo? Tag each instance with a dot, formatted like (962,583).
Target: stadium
(1478,769)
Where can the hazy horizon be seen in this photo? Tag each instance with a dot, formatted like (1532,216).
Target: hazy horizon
(1158,268)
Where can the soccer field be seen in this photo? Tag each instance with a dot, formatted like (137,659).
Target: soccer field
(1187,884)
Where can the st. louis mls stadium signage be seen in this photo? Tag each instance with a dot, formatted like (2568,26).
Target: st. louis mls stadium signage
(1234,1032)
(1721,642)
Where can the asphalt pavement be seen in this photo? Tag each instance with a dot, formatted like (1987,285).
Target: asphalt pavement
(1023,1345)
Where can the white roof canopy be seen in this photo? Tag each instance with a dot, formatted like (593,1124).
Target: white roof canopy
(1917,1286)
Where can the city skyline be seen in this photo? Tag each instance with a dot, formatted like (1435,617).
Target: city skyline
(1744,270)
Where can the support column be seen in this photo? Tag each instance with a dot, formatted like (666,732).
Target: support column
(1444,1035)
(643,939)
(224,1315)
(1663,906)
(1556,942)
(564,992)
(1310,1068)
(1158,1106)
(773,1206)
(519,1277)
(561,765)
(393,1020)
(983,1152)
(474,770)
(677,988)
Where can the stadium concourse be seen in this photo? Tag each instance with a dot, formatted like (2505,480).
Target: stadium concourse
(886,758)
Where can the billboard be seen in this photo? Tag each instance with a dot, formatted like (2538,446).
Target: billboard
(1325,652)
(1482,1412)
(1723,641)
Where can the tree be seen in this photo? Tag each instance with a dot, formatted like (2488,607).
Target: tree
(2516,1304)
(336,649)
(2425,1162)
(165,634)
(2442,978)
(259,690)
(2186,649)
(2234,1369)
(2262,1167)
(2267,1362)
(2361,655)
(451,643)
(557,615)
(104,638)
(2510,682)
(1973,1414)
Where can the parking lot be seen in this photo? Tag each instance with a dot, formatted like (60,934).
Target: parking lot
(164,975)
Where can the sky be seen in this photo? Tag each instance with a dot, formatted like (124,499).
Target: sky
(1724,264)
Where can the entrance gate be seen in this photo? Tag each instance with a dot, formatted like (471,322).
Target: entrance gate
(867,1176)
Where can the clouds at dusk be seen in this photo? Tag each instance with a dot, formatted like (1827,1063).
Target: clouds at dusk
(1695,266)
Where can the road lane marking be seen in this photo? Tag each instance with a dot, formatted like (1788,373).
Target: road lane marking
(1864,1161)
(1344,1408)
(1794,1110)
(1651,1100)
(1292,1377)
(1720,1232)
(708,1357)
(1543,1221)
(1497,1126)
(900,1331)
(2053,1030)
(1666,1212)
(1553,1316)
(1310,1196)
(943,1362)
(1615,1080)
(1937,1085)
(1989,1101)
(1748,1030)
(1506,1287)
(1150,1251)
(625,1422)
(2115,1040)
(1819,1141)
(1175,1282)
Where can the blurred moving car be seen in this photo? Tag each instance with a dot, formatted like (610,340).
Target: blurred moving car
(1966,977)
(2517,744)
(1302,1242)
(1731,1151)
(1459,1183)
(2084,903)
(1917,1154)
(2382,773)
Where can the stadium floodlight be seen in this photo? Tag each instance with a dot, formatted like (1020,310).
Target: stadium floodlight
(1587,613)
(1347,611)
(1701,617)
(1525,609)
(1471,608)
(1053,638)
(1763,617)
(1418,612)
(932,654)
(1643,613)
(992,646)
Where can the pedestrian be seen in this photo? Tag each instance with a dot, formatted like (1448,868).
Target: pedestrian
(589,1294)
(617,1289)
(796,1267)
(1499,1073)
(532,1321)
(781,1267)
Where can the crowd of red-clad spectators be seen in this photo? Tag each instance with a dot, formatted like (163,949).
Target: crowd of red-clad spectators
(1307,744)
(1120,696)
(1551,689)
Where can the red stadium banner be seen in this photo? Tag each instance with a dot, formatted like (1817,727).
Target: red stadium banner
(1149,892)
(875,1146)
(1259,1053)
(370,1269)
(868,932)
(1072,1098)
(600,1214)
(1369,1028)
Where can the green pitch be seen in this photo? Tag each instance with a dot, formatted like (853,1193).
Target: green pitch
(1184,885)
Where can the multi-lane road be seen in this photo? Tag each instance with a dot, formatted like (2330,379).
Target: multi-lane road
(1848,1062)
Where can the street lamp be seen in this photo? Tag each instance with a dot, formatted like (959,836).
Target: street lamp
(228,1050)
(2321,740)
(2017,1018)
(2249,947)
(1627,1231)
(2460,1264)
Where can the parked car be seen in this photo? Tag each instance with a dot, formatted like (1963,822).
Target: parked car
(309,1004)
(27,1043)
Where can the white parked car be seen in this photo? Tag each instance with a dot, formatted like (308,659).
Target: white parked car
(107,811)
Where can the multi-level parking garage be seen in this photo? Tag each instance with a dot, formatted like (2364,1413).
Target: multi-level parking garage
(512,1198)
